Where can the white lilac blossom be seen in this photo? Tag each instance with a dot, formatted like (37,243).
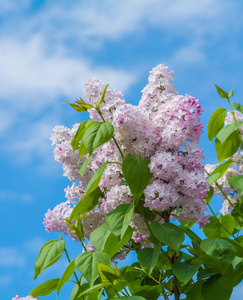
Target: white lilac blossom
(165,128)
(25,298)
(235,168)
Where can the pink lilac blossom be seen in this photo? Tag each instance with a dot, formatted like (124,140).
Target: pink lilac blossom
(236,168)
(165,128)
(25,298)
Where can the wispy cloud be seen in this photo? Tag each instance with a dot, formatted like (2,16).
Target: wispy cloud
(11,196)
(11,257)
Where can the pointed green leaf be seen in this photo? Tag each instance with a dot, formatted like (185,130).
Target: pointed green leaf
(78,136)
(238,106)
(119,219)
(217,228)
(184,271)
(49,255)
(82,150)
(65,276)
(148,292)
(77,107)
(204,273)
(219,171)
(194,292)
(222,93)
(231,93)
(88,202)
(99,236)
(113,244)
(45,288)
(90,290)
(78,231)
(97,135)
(102,97)
(87,264)
(221,251)
(130,298)
(229,147)
(236,182)
(137,173)
(148,258)
(216,122)
(95,179)
(217,287)
(108,275)
(227,130)
(169,234)
(85,165)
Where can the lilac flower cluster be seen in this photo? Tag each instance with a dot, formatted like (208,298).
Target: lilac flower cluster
(25,298)
(235,168)
(165,128)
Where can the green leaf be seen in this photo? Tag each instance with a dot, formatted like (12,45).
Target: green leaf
(87,264)
(112,247)
(90,290)
(45,288)
(222,93)
(216,228)
(216,122)
(231,93)
(194,292)
(88,202)
(169,234)
(99,236)
(217,287)
(221,251)
(77,107)
(82,150)
(65,276)
(85,165)
(227,130)
(75,292)
(78,231)
(49,255)
(238,209)
(238,106)
(238,247)
(148,258)
(148,292)
(229,147)
(102,97)
(184,271)
(137,173)
(78,136)
(239,273)
(204,273)
(219,171)
(97,134)
(236,182)
(95,179)
(119,219)
(108,275)
(209,195)
(191,234)
(130,298)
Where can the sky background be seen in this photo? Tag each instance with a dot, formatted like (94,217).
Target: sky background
(48,50)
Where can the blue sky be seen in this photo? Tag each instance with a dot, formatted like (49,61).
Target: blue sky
(48,50)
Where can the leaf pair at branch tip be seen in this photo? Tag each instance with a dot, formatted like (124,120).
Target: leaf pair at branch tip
(223,94)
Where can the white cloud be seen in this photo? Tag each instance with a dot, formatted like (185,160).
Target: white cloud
(11,196)
(34,245)
(11,257)
(47,54)
(6,279)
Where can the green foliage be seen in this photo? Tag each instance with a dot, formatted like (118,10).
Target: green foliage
(216,123)
(228,147)
(65,276)
(221,251)
(227,130)
(236,182)
(238,106)
(88,202)
(219,227)
(96,135)
(148,292)
(217,287)
(119,219)
(85,165)
(95,179)
(219,171)
(87,264)
(185,271)
(48,255)
(102,97)
(137,173)
(169,234)
(45,288)
(148,258)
